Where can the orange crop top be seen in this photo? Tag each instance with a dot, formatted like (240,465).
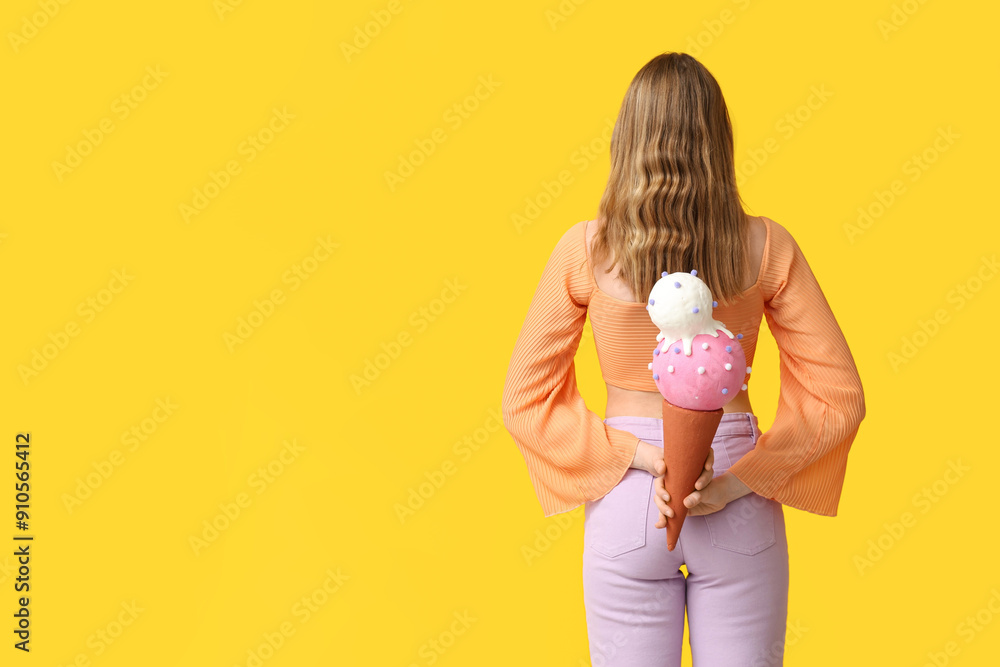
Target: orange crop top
(574,457)
(625,336)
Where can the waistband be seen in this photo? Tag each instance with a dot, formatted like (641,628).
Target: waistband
(651,428)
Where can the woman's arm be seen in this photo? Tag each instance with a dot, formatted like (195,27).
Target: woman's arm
(572,456)
(801,460)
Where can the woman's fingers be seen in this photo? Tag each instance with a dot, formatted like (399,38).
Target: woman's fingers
(661,492)
(664,508)
(703,479)
(659,467)
(706,475)
(662,498)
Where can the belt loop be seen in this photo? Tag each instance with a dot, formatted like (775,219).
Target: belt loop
(750,420)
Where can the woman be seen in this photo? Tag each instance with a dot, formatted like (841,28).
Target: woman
(671,204)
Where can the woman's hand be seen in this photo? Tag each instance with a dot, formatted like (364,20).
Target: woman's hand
(696,499)
(693,499)
(710,498)
(650,458)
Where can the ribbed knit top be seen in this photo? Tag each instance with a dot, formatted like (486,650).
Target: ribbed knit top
(625,336)
(574,457)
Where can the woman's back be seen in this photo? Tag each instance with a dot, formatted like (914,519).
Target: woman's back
(631,400)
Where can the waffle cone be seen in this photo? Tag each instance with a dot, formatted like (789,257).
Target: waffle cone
(687,439)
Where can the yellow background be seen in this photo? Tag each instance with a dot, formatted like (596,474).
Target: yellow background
(333,507)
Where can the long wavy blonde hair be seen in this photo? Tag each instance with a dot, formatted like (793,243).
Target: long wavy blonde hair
(671,202)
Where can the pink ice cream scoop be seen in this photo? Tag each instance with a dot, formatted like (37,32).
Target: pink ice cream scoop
(707,379)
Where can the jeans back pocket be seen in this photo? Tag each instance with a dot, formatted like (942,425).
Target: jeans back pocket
(616,523)
(744,525)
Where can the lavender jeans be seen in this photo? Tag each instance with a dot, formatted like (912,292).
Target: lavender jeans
(736,589)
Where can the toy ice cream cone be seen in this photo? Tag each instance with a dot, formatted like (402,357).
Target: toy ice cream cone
(698,366)
(687,439)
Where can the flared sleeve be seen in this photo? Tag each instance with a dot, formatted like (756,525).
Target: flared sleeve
(801,460)
(571,455)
